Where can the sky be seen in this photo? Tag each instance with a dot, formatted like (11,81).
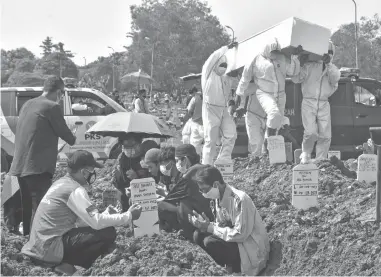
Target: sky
(89,27)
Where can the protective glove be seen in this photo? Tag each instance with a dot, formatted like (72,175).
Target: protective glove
(231,110)
(232,45)
(240,112)
(326,58)
(298,50)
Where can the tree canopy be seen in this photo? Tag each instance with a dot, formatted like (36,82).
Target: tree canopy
(369,46)
(182,34)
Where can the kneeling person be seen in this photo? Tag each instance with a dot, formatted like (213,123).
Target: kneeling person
(67,228)
(238,239)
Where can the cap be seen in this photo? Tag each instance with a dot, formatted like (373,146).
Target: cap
(80,159)
(152,155)
(185,150)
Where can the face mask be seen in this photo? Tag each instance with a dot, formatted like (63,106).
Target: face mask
(91,178)
(180,167)
(165,171)
(144,97)
(273,55)
(214,193)
(60,95)
(221,71)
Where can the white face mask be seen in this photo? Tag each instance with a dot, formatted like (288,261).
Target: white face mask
(214,193)
(221,71)
(165,171)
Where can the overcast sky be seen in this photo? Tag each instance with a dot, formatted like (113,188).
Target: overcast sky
(88,27)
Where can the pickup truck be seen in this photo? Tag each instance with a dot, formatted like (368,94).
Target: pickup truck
(355,106)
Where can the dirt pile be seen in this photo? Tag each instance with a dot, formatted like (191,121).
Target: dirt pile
(331,239)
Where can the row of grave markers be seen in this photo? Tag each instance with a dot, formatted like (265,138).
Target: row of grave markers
(305,184)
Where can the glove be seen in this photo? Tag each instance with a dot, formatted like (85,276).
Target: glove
(326,58)
(232,45)
(240,112)
(298,50)
(231,110)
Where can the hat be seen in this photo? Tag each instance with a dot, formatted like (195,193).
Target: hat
(185,150)
(152,155)
(80,159)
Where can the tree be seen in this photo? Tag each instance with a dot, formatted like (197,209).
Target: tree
(26,79)
(59,47)
(25,65)
(183,32)
(56,62)
(47,46)
(369,46)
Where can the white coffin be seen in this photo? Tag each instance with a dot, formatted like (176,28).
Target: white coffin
(290,33)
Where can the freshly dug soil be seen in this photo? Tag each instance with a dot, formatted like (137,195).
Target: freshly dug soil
(331,239)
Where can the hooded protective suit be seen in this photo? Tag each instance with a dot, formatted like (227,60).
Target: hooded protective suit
(255,120)
(216,88)
(318,84)
(269,70)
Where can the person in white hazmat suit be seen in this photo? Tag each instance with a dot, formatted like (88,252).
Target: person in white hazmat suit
(255,119)
(217,109)
(319,81)
(269,70)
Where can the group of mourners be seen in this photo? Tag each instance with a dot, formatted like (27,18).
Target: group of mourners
(66,229)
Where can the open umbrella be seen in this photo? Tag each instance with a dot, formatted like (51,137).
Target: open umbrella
(121,123)
(140,77)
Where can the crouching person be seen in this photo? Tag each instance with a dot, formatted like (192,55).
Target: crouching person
(67,229)
(238,239)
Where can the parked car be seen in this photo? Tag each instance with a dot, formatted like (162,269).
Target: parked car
(97,103)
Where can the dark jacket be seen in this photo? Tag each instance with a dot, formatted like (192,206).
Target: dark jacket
(122,165)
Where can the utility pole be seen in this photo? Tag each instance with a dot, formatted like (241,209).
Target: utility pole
(356,35)
(85,60)
(60,65)
(113,68)
(152,55)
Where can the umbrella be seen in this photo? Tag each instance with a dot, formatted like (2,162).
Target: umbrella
(121,123)
(140,77)
(191,76)
(10,187)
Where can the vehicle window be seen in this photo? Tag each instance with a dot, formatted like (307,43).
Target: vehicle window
(87,104)
(366,96)
(339,96)
(21,100)
(6,103)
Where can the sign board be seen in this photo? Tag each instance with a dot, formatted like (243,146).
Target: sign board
(334,153)
(109,197)
(297,154)
(305,186)
(143,192)
(288,147)
(367,168)
(226,169)
(277,151)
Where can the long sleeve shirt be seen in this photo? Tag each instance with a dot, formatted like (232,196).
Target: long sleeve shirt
(237,220)
(65,206)
(39,126)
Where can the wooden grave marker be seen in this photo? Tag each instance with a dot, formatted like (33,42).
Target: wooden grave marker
(305,178)
(289,154)
(367,168)
(297,154)
(143,192)
(277,151)
(334,153)
(226,169)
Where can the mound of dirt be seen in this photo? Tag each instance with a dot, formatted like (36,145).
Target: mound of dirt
(331,239)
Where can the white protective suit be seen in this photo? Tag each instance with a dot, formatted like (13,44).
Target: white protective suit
(317,86)
(215,116)
(255,120)
(269,71)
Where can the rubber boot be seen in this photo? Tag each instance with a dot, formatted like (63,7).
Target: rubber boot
(270,132)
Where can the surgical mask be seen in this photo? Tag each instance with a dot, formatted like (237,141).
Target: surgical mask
(60,95)
(91,178)
(221,70)
(165,171)
(181,168)
(330,53)
(213,193)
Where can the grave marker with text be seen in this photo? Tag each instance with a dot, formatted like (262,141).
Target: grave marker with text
(367,168)
(277,151)
(305,186)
